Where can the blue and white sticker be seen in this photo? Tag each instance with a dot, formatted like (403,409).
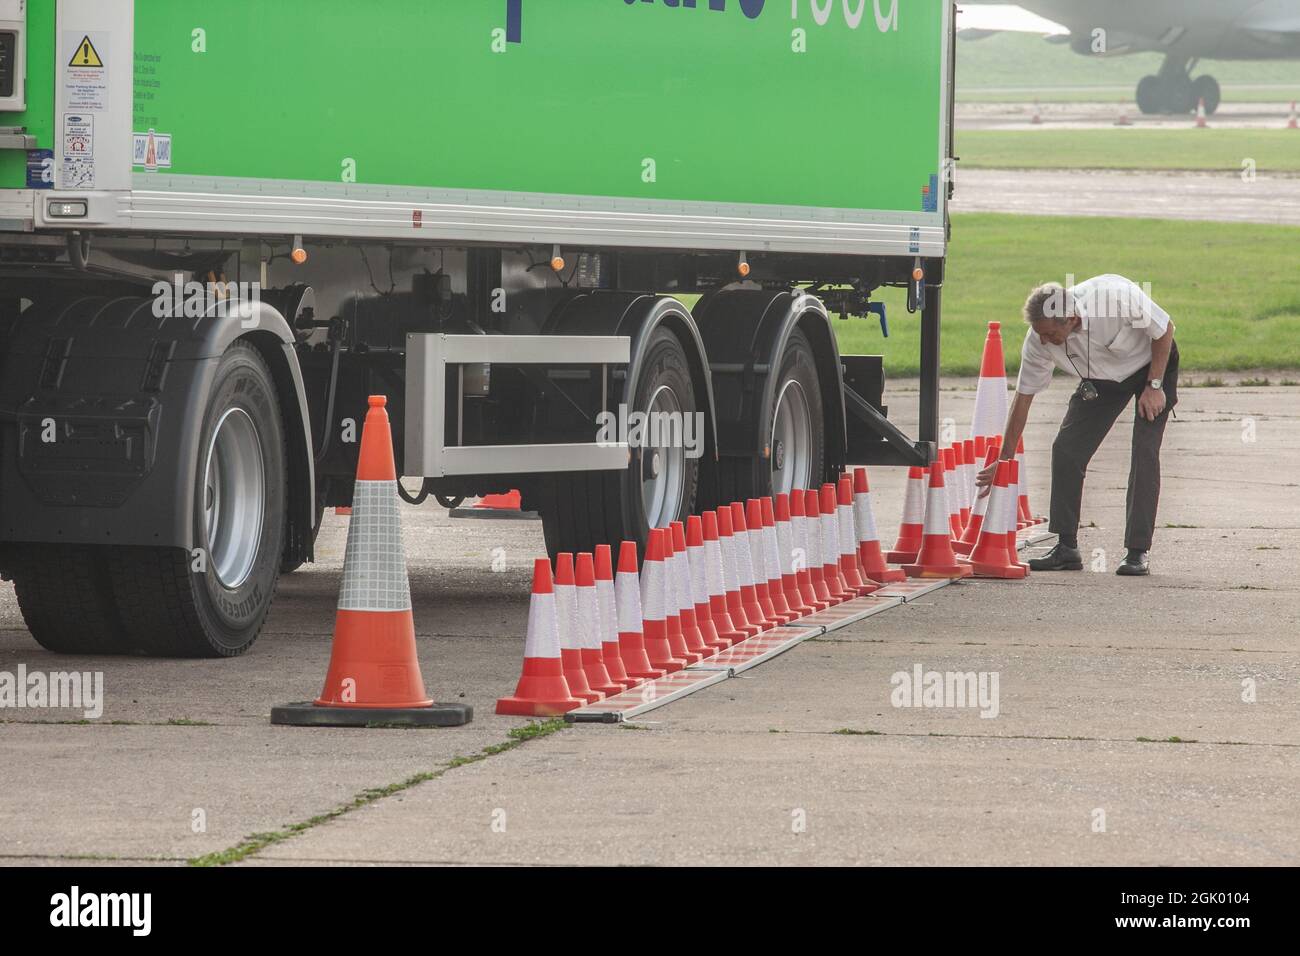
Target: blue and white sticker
(152,150)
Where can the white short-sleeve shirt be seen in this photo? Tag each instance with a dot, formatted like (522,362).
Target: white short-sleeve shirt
(1119,321)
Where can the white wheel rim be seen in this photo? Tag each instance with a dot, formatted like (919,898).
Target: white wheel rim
(234,497)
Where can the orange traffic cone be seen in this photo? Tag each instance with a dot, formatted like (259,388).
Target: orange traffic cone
(566,612)
(1200,114)
(627,604)
(850,566)
(1011,524)
(961,476)
(785,548)
(654,608)
(1037,118)
(374,673)
(1123,114)
(990,558)
(772,563)
(970,537)
(950,492)
(745,568)
(758,558)
(908,544)
(864,521)
(698,561)
(610,648)
(590,649)
(1021,479)
(991,391)
(1293,122)
(542,689)
(936,559)
(970,469)
(812,510)
(830,525)
(681,564)
(717,577)
(673,606)
(807,551)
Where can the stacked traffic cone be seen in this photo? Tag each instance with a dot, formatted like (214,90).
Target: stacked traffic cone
(745,568)
(831,551)
(698,561)
(935,559)
(864,521)
(1200,114)
(542,690)
(814,541)
(631,623)
(990,557)
(731,546)
(591,651)
(610,648)
(951,493)
(681,563)
(910,529)
(807,536)
(654,575)
(566,612)
(786,545)
(963,473)
(991,392)
(970,537)
(1010,523)
(970,469)
(716,577)
(1021,480)
(850,566)
(758,557)
(1293,121)
(772,563)
(374,672)
(673,606)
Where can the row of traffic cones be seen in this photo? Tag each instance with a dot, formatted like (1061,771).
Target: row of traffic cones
(707,584)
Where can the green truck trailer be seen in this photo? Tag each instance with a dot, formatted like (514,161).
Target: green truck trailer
(222,226)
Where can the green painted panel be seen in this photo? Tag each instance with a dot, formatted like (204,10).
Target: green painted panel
(39,116)
(416,94)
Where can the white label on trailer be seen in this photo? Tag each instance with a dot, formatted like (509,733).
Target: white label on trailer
(85,71)
(78,136)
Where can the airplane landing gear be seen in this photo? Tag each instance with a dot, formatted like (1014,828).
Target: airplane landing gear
(1173,91)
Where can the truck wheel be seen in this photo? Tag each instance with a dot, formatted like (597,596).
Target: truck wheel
(212,603)
(584,509)
(66,597)
(793,429)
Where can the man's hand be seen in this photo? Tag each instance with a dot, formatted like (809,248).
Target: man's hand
(984,480)
(1151,403)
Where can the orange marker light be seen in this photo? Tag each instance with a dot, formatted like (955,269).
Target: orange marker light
(299,256)
(918,274)
(557,264)
(743,269)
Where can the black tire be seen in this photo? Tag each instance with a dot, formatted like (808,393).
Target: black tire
(288,566)
(583,509)
(742,478)
(66,597)
(450,502)
(168,608)
(1149,98)
(1206,87)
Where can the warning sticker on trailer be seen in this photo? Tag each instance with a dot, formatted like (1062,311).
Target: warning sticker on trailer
(151,150)
(78,136)
(85,78)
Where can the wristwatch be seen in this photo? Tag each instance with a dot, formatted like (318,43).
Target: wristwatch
(1157,383)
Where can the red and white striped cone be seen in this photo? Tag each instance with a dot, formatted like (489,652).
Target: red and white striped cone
(627,603)
(697,561)
(815,542)
(1293,121)
(970,470)
(830,524)
(1201,122)
(758,559)
(990,557)
(1011,523)
(971,535)
(681,564)
(910,529)
(805,536)
(1022,484)
(935,559)
(745,569)
(610,647)
(673,605)
(1037,118)
(542,690)
(991,391)
(592,652)
(949,456)
(870,556)
(772,563)
(785,549)
(850,567)
(960,484)
(731,547)
(566,612)
(716,579)
(654,609)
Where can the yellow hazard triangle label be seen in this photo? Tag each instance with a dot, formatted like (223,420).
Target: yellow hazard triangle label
(86,54)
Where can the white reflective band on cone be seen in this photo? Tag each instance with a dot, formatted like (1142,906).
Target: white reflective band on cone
(990,407)
(1009,510)
(914,501)
(543,638)
(627,602)
(864,517)
(682,582)
(936,514)
(812,541)
(848,537)
(608,615)
(588,618)
(771,553)
(699,577)
(785,546)
(374,564)
(566,615)
(730,573)
(830,540)
(714,575)
(744,564)
(756,559)
(652,591)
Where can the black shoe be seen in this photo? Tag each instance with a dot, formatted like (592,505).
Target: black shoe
(1060,558)
(1135,564)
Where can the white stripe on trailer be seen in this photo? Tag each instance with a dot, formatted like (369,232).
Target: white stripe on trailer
(374,565)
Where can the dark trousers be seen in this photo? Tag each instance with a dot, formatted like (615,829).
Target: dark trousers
(1085,426)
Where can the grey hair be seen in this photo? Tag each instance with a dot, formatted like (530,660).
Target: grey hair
(1050,302)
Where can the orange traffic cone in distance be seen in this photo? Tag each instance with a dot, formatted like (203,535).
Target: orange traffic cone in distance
(871,558)
(654,606)
(991,391)
(950,492)
(627,605)
(850,565)
(785,547)
(1201,122)
(1293,121)
(992,558)
(772,562)
(542,690)
(610,650)
(697,562)
(374,672)
(716,578)
(910,528)
(936,559)
(971,535)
